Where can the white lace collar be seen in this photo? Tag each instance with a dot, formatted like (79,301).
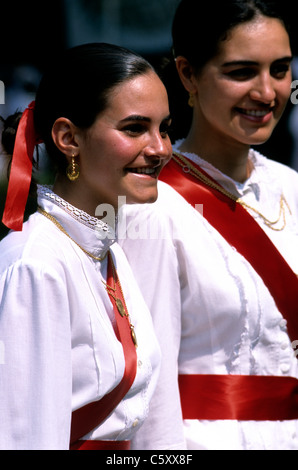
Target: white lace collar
(258,175)
(89,232)
(81,216)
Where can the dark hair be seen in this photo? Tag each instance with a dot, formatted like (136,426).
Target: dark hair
(197,31)
(10,126)
(77,87)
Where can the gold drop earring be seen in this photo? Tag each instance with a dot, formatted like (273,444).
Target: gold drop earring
(191,100)
(73,169)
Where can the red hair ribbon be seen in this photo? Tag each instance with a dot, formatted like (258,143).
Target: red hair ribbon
(21,170)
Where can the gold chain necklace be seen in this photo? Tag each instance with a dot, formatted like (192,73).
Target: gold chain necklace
(187,167)
(121,305)
(50,217)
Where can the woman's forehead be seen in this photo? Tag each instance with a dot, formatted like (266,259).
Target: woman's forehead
(261,37)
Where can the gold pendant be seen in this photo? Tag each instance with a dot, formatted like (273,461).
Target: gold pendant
(120,308)
(133,335)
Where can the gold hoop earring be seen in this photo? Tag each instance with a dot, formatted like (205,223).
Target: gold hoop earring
(73,170)
(191,100)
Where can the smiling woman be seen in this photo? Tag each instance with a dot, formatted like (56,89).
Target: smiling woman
(223,284)
(128,140)
(79,343)
(250,83)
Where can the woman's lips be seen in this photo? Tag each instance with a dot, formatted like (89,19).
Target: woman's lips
(142,171)
(256,115)
(150,172)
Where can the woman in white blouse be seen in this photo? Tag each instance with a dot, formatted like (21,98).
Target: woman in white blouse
(226,247)
(79,359)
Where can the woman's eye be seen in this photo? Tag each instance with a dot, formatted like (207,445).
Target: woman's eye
(134,129)
(241,74)
(165,130)
(280,71)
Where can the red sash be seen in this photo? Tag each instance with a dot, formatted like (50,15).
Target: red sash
(239,397)
(100,445)
(88,417)
(241,231)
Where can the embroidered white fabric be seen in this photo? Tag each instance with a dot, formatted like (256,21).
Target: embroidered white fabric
(195,281)
(78,214)
(61,350)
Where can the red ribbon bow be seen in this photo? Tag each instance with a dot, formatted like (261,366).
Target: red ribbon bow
(21,171)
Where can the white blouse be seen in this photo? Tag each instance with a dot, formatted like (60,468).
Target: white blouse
(59,349)
(193,279)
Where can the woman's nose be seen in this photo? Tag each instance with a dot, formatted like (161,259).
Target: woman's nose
(264,89)
(159,146)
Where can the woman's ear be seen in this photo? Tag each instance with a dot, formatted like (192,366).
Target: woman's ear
(186,74)
(64,136)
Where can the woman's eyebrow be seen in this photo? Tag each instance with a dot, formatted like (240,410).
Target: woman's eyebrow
(239,63)
(288,59)
(138,117)
(245,63)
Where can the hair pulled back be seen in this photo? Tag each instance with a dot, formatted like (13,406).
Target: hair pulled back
(77,87)
(198,29)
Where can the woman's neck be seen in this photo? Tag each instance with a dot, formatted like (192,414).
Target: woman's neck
(72,193)
(232,160)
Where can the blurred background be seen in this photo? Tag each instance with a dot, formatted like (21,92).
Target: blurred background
(33,32)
